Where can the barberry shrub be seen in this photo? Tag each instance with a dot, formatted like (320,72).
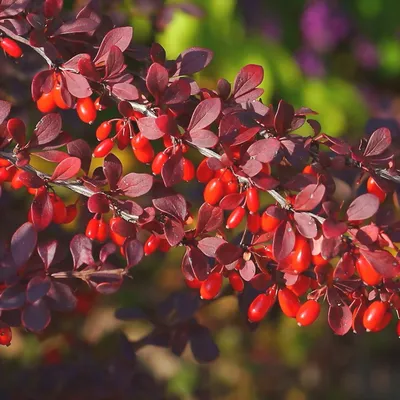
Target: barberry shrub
(272,226)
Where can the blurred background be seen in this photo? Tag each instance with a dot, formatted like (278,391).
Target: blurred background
(340,58)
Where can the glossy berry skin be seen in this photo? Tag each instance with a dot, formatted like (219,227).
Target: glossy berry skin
(259,307)
(253,222)
(103,131)
(188,170)
(300,286)
(72,212)
(211,287)
(139,142)
(213,191)
(268,222)
(385,322)
(86,110)
(59,210)
(11,47)
(151,244)
(366,272)
(46,103)
(308,313)
(231,187)
(102,231)
(58,99)
(374,315)
(145,154)
(16,182)
(236,281)
(5,334)
(204,173)
(123,137)
(252,199)
(103,148)
(235,218)
(288,302)
(301,255)
(92,228)
(318,260)
(375,189)
(225,175)
(398,328)
(117,239)
(159,160)
(193,284)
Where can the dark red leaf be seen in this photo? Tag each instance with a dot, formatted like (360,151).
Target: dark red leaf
(332,228)
(209,245)
(135,185)
(120,37)
(174,231)
(231,201)
(42,211)
(37,288)
(31,180)
(17,130)
(173,205)
(309,197)
(77,84)
(248,78)
(345,267)
(194,264)
(47,252)
(228,253)
(172,170)
(363,207)
(98,204)
(23,243)
(251,167)
(107,250)
(306,225)
(36,316)
(81,250)
(203,138)
(133,252)
(193,60)
(66,169)
(283,242)
(79,148)
(47,129)
(283,117)
(202,345)
(177,92)
(243,137)
(209,218)
(265,182)
(80,25)
(60,297)
(12,298)
(340,319)
(41,83)
(264,150)
(148,126)
(205,114)
(378,142)
(383,262)
(55,156)
(5,108)
(125,91)
(112,168)
(248,271)
(157,80)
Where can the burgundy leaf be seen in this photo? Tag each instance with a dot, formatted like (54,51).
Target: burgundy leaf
(23,243)
(66,169)
(172,170)
(125,91)
(193,60)
(114,62)
(47,252)
(52,8)
(55,156)
(60,297)
(47,129)
(228,253)
(98,204)
(244,136)
(203,138)
(107,250)
(173,205)
(223,88)
(157,80)
(378,142)
(209,245)
(330,247)
(382,262)
(177,92)
(37,288)
(202,345)
(87,68)
(42,82)
(248,78)
(31,180)
(77,84)
(194,264)
(41,211)
(332,228)
(251,167)
(248,271)
(112,168)
(283,242)
(231,201)
(209,218)
(79,148)
(264,181)
(340,319)
(17,130)
(36,316)
(205,114)
(306,225)
(174,231)
(81,250)
(120,37)
(80,25)
(5,108)
(283,117)
(363,207)
(135,185)
(367,234)
(12,298)
(309,197)
(345,267)
(264,150)
(148,126)
(133,252)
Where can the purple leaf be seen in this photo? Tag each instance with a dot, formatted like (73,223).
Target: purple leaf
(332,228)
(17,130)
(112,168)
(41,211)
(148,126)
(79,148)
(203,138)
(345,267)
(172,170)
(55,156)
(13,297)
(202,345)
(36,317)
(47,252)
(209,218)
(194,264)
(66,169)
(87,68)
(205,114)
(306,225)
(264,181)
(98,204)
(209,245)
(120,37)
(177,92)
(47,129)
(363,207)
(251,167)
(231,201)
(382,262)
(60,297)
(309,197)
(135,185)
(283,117)
(174,231)
(193,60)
(173,205)
(81,25)
(243,137)
(125,91)
(42,82)
(157,80)
(5,108)
(133,252)
(228,253)
(283,242)
(23,243)
(248,271)
(37,288)
(77,85)
(264,150)
(378,142)
(81,250)
(340,319)
(248,78)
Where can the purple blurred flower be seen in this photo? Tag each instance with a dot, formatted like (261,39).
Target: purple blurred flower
(310,63)
(323,26)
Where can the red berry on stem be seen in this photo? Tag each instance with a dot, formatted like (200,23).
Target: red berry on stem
(59,210)
(102,231)
(11,47)
(268,222)
(288,302)
(145,154)
(103,130)
(236,281)
(16,182)
(204,173)
(139,142)
(366,272)
(86,110)
(385,322)
(231,187)
(308,313)
(46,103)
(300,286)
(318,260)
(151,244)
(213,191)
(58,99)
(301,255)
(252,199)
(211,287)
(253,222)
(259,307)
(193,284)
(119,240)
(5,334)
(374,315)
(374,188)
(235,218)
(92,228)
(103,148)
(159,160)
(188,170)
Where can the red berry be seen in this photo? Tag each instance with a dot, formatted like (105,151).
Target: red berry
(309,169)
(300,286)
(252,199)
(159,160)
(225,175)
(231,187)
(4,162)
(204,173)
(385,322)
(211,287)
(72,212)
(11,47)
(235,218)
(188,170)
(151,244)
(119,240)
(139,142)
(253,222)
(16,182)
(236,281)
(103,148)
(308,313)
(266,168)
(288,302)
(301,255)
(167,140)
(193,284)
(268,222)
(59,210)
(92,228)
(103,130)
(46,103)
(318,260)
(213,191)
(260,306)
(145,154)
(99,105)
(398,328)
(366,272)
(164,246)
(86,110)
(374,188)
(5,334)
(102,231)
(123,135)
(374,315)
(58,99)
(5,174)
